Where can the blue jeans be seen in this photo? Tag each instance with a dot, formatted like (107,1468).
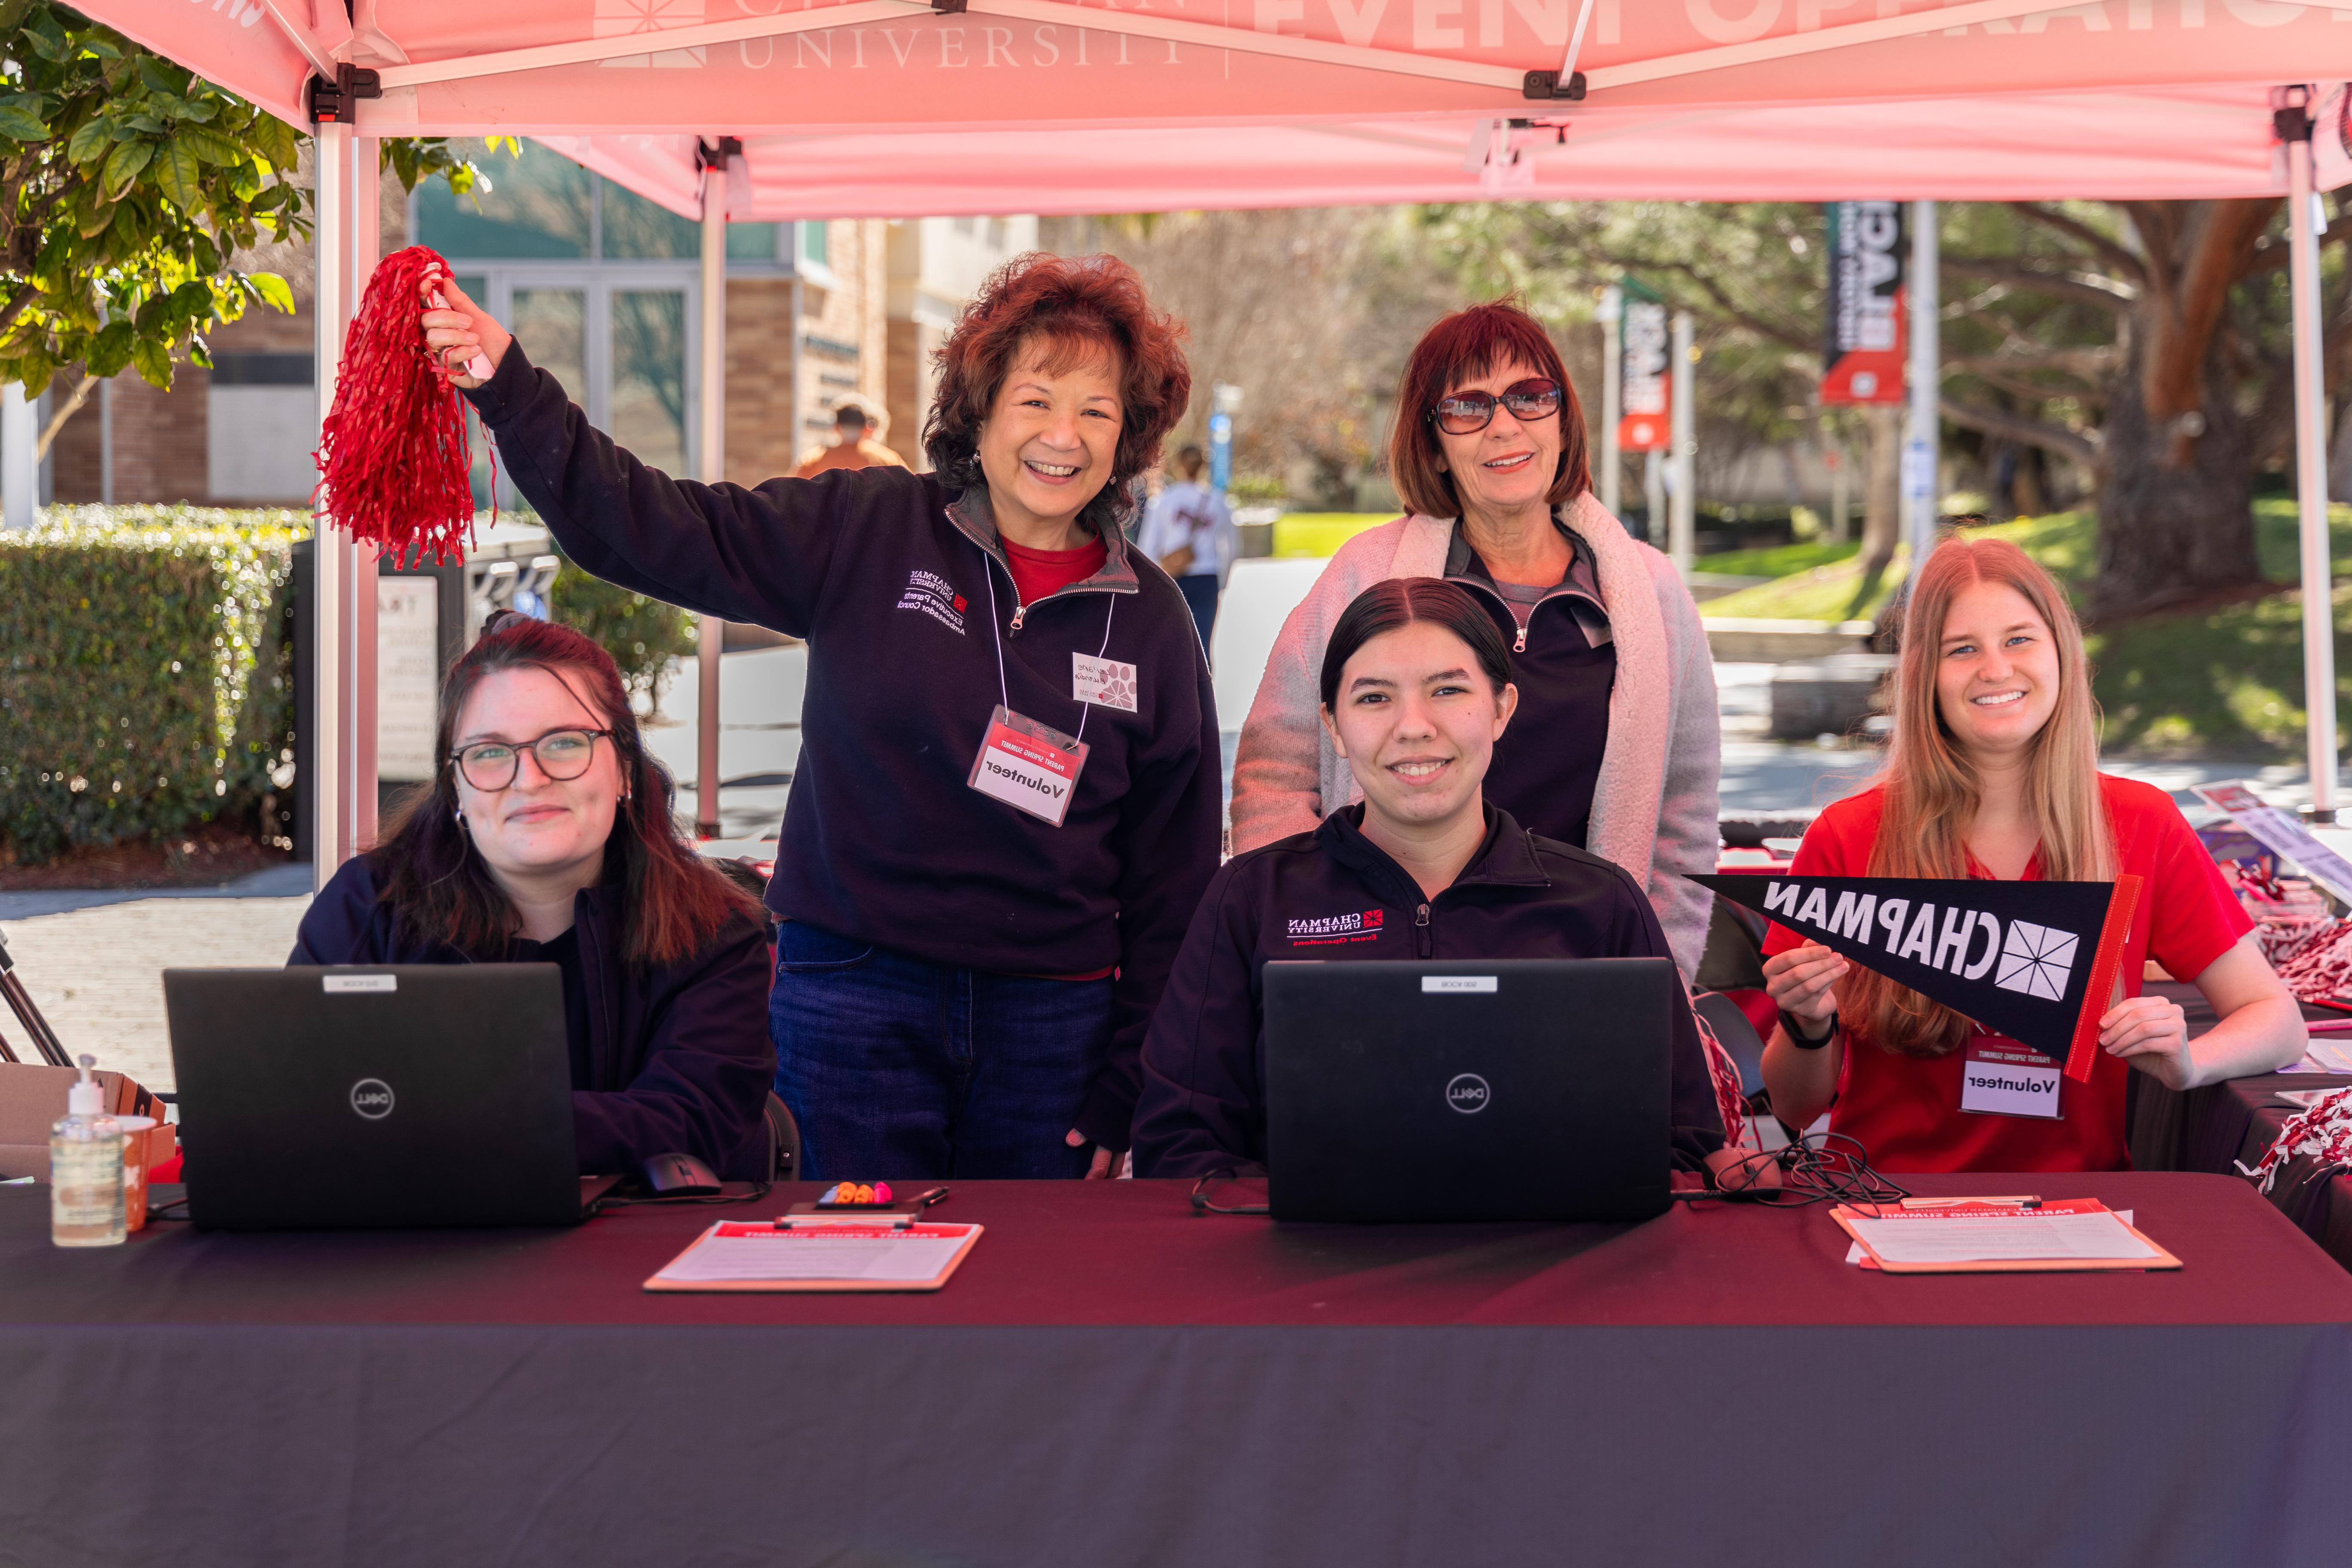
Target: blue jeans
(1200,590)
(899,1069)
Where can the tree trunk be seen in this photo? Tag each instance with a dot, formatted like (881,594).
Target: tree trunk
(1882,504)
(2339,456)
(2176,503)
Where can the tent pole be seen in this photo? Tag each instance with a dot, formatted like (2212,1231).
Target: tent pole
(1682,536)
(360,647)
(1612,394)
(2311,466)
(1921,449)
(711,459)
(330,167)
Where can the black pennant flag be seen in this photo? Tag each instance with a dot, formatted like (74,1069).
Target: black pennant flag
(2034,960)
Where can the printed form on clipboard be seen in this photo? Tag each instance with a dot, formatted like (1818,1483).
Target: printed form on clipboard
(759,1256)
(2072,1234)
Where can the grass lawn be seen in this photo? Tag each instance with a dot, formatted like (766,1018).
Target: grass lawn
(2214,683)
(1319,535)
(1778,562)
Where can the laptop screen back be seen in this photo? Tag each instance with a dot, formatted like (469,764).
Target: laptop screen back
(1523,1089)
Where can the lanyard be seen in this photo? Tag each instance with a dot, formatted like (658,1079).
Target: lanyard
(1003,691)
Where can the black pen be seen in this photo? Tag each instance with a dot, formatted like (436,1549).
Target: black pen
(936,1195)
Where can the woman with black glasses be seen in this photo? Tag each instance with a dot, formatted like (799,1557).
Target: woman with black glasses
(546,837)
(1616,747)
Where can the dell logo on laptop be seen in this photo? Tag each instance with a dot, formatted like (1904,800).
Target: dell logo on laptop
(372,1098)
(1466,1093)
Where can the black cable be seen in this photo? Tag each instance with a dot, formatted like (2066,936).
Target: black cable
(1200,1203)
(1823,1167)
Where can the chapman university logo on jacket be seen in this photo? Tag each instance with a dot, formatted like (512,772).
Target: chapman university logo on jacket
(2009,955)
(928,594)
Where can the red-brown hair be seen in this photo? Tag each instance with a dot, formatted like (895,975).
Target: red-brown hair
(1078,306)
(1932,791)
(672,901)
(1462,347)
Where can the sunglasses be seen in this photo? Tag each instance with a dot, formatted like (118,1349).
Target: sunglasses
(1467,412)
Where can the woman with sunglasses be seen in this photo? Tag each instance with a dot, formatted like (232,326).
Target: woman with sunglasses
(1616,747)
(546,837)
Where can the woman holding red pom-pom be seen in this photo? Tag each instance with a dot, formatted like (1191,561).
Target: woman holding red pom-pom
(1008,798)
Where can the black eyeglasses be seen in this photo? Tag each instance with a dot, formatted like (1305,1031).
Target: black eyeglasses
(563,754)
(1467,412)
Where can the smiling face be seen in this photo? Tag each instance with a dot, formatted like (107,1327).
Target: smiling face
(1997,676)
(1417,720)
(1507,467)
(536,827)
(1049,442)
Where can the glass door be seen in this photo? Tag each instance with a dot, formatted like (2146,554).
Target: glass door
(621,340)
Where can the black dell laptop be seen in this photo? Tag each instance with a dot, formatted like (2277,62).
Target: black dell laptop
(1522,1088)
(398,1095)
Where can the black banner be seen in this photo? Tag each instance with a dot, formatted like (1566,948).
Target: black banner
(1864,334)
(2034,960)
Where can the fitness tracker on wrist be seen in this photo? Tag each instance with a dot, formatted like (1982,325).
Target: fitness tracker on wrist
(1799,1038)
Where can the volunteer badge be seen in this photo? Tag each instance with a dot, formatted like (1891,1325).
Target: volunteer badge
(2033,960)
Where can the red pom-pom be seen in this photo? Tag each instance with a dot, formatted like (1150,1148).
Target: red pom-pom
(393,467)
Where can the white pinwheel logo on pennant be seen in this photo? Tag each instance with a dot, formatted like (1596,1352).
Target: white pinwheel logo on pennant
(620,18)
(2036,959)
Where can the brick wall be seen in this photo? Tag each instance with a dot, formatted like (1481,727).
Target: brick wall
(912,383)
(760,440)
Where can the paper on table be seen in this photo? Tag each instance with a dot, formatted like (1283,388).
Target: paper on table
(2333,1056)
(880,1258)
(2000,1238)
(1854,1253)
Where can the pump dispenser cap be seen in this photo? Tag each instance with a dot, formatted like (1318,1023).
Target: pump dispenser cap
(87,1098)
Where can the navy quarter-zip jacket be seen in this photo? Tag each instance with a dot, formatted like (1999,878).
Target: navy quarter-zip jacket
(670,1059)
(894,583)
(1332,894)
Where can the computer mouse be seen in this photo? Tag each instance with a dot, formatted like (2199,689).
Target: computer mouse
(675,1175)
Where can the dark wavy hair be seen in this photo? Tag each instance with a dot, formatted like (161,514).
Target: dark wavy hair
(1465,345)
(1079,306)
(1399,602)
(672,901)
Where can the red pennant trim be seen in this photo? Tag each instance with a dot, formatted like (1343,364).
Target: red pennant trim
(2099,994)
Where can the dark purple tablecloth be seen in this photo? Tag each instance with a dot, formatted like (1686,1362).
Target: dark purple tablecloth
(1111,1379)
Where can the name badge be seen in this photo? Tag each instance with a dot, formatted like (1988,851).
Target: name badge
(2008,1080)
(1030,766)
(1105,682)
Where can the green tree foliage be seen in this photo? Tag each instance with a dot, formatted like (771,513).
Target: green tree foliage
(128,187)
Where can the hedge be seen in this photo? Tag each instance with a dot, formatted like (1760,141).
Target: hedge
(146,683)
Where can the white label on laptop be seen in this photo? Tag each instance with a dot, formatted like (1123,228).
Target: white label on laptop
(337,985)
(1458,984)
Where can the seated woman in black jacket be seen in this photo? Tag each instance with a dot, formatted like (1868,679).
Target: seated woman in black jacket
(1416,690)
(546,837)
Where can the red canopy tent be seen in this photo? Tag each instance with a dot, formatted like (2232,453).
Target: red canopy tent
(892,107)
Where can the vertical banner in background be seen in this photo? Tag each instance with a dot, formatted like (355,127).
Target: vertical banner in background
(1647,384)
(1863,337)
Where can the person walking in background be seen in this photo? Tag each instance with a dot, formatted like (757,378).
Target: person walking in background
(855,447)
(1189,530)
(1618,745)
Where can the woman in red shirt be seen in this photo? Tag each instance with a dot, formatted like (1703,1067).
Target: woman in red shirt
(1994,772)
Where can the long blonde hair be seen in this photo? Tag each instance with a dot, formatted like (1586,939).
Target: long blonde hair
(1932,790)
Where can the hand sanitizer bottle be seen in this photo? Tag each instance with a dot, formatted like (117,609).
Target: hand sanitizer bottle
(86,1169)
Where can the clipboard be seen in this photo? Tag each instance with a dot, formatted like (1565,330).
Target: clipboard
(1963,1213)
(842,1255)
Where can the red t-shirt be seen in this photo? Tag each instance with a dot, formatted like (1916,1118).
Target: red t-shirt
(1905,1110)
(1037,573)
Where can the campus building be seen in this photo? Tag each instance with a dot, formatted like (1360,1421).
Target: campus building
(604,288)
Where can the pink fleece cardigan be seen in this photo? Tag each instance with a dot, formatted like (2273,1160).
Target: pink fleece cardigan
(1654,805)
